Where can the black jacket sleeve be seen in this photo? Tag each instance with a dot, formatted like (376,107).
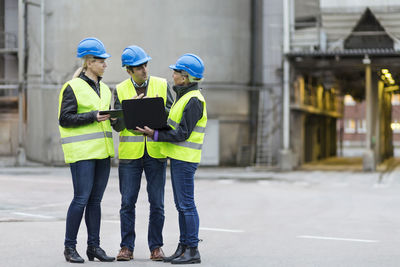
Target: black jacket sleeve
(170,100)
(69,116)
(191,115)
(118,124)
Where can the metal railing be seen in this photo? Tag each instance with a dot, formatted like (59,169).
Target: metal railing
(318,100)
(8,89)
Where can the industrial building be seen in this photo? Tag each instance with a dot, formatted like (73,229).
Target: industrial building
(275,79)
(337,49)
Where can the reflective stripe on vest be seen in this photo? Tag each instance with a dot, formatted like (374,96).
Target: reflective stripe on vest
(189,145)
(190,149)
(134,138)
(198,129)
(84,137)
(131,145)
(92,140)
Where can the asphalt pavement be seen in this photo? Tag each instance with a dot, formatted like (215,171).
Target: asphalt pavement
(248,217)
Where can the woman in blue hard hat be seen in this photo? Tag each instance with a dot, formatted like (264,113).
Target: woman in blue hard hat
(86,138)
(188,119)
(138,154)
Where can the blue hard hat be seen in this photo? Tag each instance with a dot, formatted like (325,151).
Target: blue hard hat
(190,63)
(134,56)
(91,46)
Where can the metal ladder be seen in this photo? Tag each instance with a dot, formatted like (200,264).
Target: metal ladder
(268,125)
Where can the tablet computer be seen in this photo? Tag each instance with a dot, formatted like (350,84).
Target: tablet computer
(114,113)
(142,112)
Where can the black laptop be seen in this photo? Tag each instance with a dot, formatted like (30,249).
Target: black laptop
(142,112)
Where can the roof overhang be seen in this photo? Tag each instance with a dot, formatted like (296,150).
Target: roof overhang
(371,52)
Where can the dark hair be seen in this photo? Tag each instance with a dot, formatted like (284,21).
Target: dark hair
(130,68)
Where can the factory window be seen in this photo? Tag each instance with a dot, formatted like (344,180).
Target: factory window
(395,126)
(361,126)
(395,99)
(349,101)
(349,126)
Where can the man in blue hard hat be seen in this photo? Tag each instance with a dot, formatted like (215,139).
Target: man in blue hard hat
(137,153)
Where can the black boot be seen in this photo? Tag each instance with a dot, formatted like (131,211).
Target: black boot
(179,251)
(191,255)
(99,253)
(72,255)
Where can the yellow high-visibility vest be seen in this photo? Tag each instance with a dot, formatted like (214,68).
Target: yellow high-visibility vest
(132,145)
(91,141)
(190,149)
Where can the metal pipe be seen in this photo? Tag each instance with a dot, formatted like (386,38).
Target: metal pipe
(368,89)
(21,40)
(254,95)
(286,26)
(286,74)
(42,40)
(291,18)
(286,105)
(21,158)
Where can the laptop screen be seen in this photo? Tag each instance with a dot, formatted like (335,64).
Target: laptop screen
(142,112)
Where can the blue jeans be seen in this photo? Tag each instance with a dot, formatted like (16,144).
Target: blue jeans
(182,178)
(89,178)
(130,175)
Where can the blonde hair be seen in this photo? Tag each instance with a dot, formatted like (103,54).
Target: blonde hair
(86,59)
(191,78)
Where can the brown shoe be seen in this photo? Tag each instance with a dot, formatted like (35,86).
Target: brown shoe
(157,255)
(125,254)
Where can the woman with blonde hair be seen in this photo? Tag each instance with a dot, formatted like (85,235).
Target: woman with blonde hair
(86,138)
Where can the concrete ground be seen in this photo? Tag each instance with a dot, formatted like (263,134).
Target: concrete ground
(249,217)
(349,151)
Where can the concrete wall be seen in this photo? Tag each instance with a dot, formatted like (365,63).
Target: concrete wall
(11,26)
(8,74)
(8,133)
(2,43)
(230,107)
(306,8)
(43,138)
(215,30)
